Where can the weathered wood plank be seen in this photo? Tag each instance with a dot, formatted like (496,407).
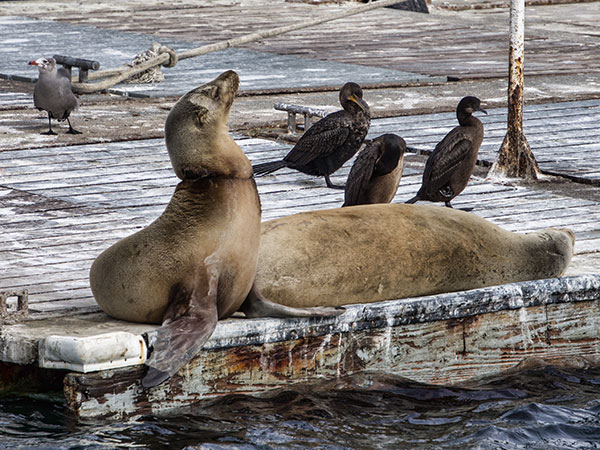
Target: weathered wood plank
(81,199)
(449,339)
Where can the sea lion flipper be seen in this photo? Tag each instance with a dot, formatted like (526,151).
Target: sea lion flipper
(256,305)
(189,322)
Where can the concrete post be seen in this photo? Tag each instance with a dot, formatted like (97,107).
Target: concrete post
(515,158)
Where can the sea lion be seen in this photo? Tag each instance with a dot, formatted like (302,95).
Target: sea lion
(330,142)
(450,165)
(376,172)
(196,263)
(370,253)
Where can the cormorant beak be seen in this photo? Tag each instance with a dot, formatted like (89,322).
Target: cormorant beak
(360,102)
(479,108)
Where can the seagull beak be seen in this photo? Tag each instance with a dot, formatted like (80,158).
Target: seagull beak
(33,63)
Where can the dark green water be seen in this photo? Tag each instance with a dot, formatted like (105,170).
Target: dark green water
(545,408)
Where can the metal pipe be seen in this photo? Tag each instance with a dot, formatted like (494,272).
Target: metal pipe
(86,64)
(516,65)
(515,158)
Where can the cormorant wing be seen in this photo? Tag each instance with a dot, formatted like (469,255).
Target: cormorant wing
(320,140)
(447,156)
(361,172)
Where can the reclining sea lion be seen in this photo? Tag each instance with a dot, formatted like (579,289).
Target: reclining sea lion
(369,253)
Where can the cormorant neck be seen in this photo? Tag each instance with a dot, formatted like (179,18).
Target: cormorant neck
(466,119)
(353,108)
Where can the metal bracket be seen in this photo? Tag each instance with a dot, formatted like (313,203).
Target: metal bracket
(84,65)
(22,310)
(307,111)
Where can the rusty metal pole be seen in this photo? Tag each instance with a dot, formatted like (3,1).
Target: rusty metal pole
(515,159)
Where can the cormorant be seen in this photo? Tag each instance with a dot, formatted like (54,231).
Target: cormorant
(376,172)
(53,93)
(330,142)
(452,162)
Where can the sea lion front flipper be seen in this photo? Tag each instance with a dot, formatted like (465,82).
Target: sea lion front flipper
(190,319)
(256,305)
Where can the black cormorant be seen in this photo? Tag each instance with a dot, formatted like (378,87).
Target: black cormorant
(452,162)
(376,172)
(330,142)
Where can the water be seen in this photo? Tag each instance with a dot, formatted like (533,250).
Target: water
(544,408)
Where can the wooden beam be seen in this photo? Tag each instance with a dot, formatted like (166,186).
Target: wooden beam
(445,339)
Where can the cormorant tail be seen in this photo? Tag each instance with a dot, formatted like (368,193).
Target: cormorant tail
(413,200)
(268,167)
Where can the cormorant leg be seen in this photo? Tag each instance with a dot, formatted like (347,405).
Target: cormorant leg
(71,129)
(415,199)
(448,205)
(331,185)
(49,132)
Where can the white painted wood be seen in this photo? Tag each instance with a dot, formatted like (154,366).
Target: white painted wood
(92,353)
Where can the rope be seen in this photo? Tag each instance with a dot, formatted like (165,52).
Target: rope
(154,74)
(169,58)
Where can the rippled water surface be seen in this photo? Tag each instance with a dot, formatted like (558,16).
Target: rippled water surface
(545,408)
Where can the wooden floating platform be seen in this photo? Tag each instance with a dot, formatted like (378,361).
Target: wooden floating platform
(62,206)
(446,339)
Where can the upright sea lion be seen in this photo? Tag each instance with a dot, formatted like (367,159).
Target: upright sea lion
(196,263)
(369,253)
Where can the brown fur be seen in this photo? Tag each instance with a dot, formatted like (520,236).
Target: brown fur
(197,136)
(210,225)
(370,253)
(196,263)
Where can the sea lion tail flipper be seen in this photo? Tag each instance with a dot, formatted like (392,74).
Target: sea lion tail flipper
(256,305)
(181,336)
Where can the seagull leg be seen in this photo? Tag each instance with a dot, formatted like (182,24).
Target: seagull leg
(331,185)
(49,132)
(71,129)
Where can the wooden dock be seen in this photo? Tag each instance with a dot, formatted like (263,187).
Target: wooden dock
(64,200)
(64,205)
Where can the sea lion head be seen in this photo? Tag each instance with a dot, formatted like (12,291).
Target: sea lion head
(196,131)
